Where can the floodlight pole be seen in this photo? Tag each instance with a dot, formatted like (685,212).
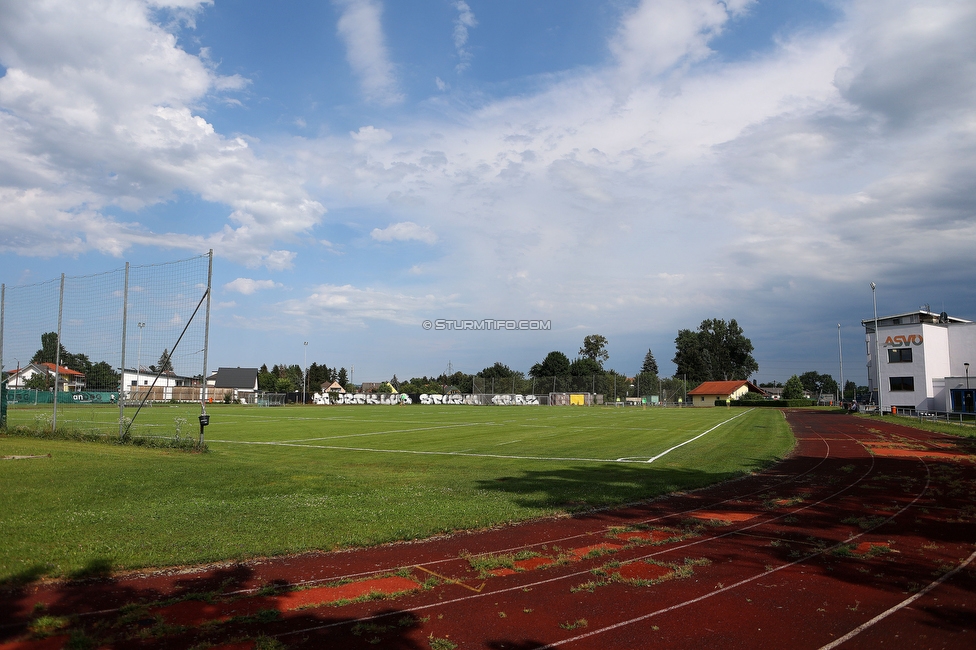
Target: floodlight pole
(877,348)
(304,371)
(840,349)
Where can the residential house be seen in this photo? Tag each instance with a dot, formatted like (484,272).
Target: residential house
(710,391)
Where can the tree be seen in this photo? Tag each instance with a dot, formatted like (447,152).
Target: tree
(556,364)
(646,383)
(384,388)
(395,382)
(817,384)
(850,390)
(343,377)
(595,349)
(718,351)
(49,350)
(317,375)
(165,363)
(39,382)
(584,367)
(497,371)
(101,376)
(650,364)
(793,388)
(267,382)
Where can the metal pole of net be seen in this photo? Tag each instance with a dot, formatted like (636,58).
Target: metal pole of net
(73,343)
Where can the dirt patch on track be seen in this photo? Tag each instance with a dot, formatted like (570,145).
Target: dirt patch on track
(864,536)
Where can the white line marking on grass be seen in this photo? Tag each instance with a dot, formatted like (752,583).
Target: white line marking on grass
(668,451)
(425,453)
(905,603)
(378,433)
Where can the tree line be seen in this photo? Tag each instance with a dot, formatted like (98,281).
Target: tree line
(99,376)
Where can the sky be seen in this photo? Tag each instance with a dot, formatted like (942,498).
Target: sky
(626,168)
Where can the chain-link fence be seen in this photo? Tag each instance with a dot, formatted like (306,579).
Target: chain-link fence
(611,386)
(79,350)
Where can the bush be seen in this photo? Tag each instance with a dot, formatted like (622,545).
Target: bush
(773,403)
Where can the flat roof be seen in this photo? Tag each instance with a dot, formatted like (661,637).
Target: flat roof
(924,316)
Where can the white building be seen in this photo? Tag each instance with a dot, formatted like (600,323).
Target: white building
(68,380)
(924,361)
(139,383)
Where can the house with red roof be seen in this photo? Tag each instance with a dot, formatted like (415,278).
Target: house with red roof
(69,380)
(708,392)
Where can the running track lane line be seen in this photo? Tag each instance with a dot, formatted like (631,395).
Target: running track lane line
(577,574)
(905,603)
(699,599)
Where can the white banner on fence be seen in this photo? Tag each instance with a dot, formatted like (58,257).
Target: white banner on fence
(387,399)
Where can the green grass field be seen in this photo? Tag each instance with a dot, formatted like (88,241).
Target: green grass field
(299,478)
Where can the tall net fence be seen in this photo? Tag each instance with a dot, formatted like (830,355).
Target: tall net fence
(88,351)
(604,384)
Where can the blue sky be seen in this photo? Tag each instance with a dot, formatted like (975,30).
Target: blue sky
(627,168)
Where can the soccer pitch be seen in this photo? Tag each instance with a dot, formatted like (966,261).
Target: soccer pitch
(302,478)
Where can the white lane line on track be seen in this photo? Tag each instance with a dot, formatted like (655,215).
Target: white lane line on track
(683,546)
(668,451)
(699,599)
(905,603)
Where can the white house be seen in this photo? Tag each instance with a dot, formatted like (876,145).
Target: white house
(920,360)
(69,380)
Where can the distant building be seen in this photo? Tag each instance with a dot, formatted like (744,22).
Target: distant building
(334,387)
(238,380)
(924,359)
(137,383)
(708,392)
(69,380)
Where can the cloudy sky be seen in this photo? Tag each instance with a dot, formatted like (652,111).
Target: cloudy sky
(624,167)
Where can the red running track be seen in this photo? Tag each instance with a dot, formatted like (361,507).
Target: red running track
(864,537)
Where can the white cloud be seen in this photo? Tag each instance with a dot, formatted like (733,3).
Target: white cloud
(247,286)
(661,34)
(97,110)
(345,306)
(708,180)
(368,136)
(361,30)
(465,20)
(404,231)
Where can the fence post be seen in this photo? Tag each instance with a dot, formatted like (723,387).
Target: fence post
(3,398)
(125,317)
(206,348)
(57,358)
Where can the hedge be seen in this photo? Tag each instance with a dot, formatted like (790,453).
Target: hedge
(774,403)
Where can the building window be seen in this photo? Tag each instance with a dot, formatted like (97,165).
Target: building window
(900,355)
(901,383)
